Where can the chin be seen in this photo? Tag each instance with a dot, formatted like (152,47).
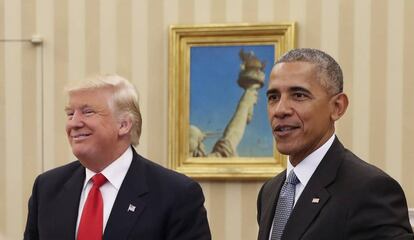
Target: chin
(283,149)
(79,152)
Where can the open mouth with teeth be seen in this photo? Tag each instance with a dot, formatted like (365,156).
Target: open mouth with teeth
(281,130)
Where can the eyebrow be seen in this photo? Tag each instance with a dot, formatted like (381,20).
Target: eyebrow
(271,91)
(291,89)
(299,89)
(67,108)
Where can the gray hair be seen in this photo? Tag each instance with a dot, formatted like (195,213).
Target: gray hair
(124,99)
(327,66)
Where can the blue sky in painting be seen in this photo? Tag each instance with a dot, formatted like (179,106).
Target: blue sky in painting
(214,94)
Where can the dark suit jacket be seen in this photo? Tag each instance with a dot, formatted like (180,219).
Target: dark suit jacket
(169,205)
(356,201)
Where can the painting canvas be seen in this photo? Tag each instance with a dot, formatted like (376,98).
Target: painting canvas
(215,95)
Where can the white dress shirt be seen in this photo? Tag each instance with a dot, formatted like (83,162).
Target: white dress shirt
(115,174)
(305,169)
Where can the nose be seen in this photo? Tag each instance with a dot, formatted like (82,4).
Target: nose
(281,109)
(76,121)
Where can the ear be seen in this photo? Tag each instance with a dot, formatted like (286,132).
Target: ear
(125,125)
(339,106)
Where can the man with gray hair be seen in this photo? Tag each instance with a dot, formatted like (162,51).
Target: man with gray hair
(326,192)
(112,192)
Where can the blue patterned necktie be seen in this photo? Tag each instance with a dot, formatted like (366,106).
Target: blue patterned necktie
(284,205)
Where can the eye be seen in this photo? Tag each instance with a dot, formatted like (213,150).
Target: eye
(272,97)
(300,96)
(88,112)
(69,114)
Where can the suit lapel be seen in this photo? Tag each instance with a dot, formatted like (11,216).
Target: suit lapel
(67,204)
(305,212)
(129,203)
(269,204)
(306,208)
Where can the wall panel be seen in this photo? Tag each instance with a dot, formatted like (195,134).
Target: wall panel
(31,97)
(3,183)
(361,90)
(378,72)
(92,36)
(345,59)
(124,29)
(407,103)
(139,64)
(60,79)
(394,88)
(13,118)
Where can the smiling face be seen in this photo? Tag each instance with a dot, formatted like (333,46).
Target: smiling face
(301,111)
(93,130)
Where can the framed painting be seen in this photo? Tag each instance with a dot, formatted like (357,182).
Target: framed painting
(218,125)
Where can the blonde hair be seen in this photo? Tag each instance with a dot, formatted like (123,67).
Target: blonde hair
(124,99)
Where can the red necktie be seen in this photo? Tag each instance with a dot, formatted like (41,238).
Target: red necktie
(91,223)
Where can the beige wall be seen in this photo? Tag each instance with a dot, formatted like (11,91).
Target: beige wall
(372,40)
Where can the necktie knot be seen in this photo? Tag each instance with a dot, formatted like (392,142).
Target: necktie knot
(292,178)
(98,180)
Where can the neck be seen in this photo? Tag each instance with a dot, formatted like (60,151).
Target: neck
(295,159)
(99,163)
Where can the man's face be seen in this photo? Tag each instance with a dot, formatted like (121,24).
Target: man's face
(300,109)
(91,127)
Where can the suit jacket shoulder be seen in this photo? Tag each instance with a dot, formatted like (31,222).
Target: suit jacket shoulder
(53,205)
(167,205)
(355,200)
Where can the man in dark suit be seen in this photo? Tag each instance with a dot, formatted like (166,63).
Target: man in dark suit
(112,192)
(326,192)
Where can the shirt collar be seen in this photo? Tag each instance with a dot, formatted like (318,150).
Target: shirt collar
(305,169)
(114,172)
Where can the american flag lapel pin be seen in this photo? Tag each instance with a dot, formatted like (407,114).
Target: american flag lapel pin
(131,208)
(315,200)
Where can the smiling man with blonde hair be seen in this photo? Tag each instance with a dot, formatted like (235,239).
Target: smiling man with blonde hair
(112,192)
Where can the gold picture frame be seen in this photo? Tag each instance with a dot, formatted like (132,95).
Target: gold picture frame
(187,44)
